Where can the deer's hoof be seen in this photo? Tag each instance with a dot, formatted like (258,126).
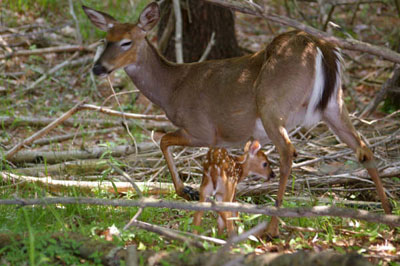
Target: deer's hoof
(190,193)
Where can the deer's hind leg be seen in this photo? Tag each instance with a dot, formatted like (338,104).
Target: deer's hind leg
(337,118)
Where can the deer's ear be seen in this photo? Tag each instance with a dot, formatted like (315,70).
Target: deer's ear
(149,16)
(255,147)
(101,20)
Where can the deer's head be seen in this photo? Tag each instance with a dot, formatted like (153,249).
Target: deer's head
(123,40)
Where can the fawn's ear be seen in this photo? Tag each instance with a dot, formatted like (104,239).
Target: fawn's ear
(247,147)
(254,147)
(149,16)
(100,19)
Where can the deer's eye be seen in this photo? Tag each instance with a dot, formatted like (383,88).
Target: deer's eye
(265,164)
(126,44)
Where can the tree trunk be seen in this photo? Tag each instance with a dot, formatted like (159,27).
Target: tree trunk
(199,20)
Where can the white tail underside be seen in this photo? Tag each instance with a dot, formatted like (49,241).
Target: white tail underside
(313,115)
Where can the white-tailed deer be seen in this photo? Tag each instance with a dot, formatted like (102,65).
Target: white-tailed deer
(222,173)
(295,80)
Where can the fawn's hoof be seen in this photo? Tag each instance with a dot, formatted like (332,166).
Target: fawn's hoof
(190,193)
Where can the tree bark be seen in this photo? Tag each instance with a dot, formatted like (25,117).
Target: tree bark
(199,20)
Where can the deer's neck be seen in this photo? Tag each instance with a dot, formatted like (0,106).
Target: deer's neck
(153,75)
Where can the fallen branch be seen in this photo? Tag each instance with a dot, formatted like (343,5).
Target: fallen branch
(349,44)
(56,139)
(236,239)
(55,185)
(166,232)
(391,220)
(44,121)
(380,96)
(42,132)
(111,112)
(69,155)
(58,49)
(67,63)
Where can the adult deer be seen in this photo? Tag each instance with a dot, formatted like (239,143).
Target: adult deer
(296,80)
(221,174)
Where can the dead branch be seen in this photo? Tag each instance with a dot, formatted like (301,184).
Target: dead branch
(61,138)
(42,132)
(391,220)
(67,63)
(236,239)
(314,181)
(92,153)
(57,49)
(111,112)
(44,121)
(55,185)
(380,96)
(166,232)
(349,44)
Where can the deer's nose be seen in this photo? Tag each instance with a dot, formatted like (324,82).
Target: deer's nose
(272,175)
(99,69)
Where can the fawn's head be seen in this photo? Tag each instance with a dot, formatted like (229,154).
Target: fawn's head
(256,161)
(123,40)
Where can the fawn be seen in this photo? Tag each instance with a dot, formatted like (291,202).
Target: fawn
(222,172)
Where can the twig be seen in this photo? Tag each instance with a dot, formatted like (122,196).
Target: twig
(56,139)
(111,112)
(137,189)
(169,28)
(208,48)
(349,44)
(127,178)
(389,83)
(57,49)
(392,220)
(72,12)
(331,10)
(236,239)
(43,131)
(178,31)
(172,234)
(70,62)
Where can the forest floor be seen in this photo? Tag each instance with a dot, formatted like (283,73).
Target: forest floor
(92,147)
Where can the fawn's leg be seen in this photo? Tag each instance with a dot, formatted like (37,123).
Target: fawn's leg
(206,189)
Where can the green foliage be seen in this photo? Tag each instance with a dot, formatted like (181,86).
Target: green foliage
(121,10)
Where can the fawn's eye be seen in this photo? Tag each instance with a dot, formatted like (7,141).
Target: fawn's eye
(265,164)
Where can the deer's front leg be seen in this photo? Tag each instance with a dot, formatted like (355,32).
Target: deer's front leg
(177,138)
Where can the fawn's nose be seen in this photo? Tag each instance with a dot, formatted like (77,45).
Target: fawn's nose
(99,69)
